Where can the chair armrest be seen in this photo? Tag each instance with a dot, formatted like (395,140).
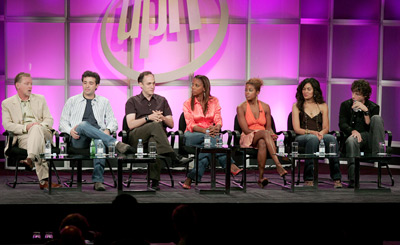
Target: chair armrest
(124,135)
(172,134)
(181,142)
(389,134)
(9,137)
(229,132)
(236,139)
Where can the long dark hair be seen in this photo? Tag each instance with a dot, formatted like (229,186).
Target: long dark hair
(207,95)
(317,92)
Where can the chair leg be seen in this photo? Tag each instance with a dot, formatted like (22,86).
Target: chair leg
(56,172)
(169,173)
(130,177)
(112,174)
(15,176)
(298,173)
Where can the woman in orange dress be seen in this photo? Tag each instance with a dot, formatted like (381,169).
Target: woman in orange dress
(254,118)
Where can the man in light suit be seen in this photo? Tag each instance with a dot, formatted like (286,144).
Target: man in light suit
(28,117)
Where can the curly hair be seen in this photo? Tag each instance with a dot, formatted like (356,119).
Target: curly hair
(256,82)
(362,87)
(317,92)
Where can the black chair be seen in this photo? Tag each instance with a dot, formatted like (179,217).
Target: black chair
(301,150)
(14,155)
(124,134)
(190,151)
(72,151)
(388,134)
(251,153)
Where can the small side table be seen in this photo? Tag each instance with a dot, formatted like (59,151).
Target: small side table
(133,159)
(213,152)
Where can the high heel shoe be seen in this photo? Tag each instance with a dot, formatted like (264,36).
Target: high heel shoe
(263,182)
(281,173)
(234,173)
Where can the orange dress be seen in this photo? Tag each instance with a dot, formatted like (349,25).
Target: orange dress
(246,140)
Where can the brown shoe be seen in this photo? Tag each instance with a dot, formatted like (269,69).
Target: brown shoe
(309,183)
(123,148)
(28,163)
(337,184)
(45,186)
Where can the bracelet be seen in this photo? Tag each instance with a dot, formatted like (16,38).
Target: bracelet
(307,132)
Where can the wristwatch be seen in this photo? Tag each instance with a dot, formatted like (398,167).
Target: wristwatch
(146,118)
(366,113)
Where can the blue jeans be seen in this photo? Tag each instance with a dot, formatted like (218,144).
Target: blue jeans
(311,144)
(87,132)
(197,139)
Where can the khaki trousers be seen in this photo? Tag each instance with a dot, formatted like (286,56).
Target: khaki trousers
(34,142)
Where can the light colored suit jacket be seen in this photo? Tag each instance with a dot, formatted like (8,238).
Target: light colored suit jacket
(12,114)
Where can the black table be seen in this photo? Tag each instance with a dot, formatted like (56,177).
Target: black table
(78,159)
(315,158)
(382,160)
(131,158)
(214,151)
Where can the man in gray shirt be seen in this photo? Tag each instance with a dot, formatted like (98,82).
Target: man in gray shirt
(88,116)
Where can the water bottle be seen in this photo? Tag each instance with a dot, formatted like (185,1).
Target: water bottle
(322,148)
(281,148)
(139,150)
(92,148)
(100,148)
(47,149)
(207,139)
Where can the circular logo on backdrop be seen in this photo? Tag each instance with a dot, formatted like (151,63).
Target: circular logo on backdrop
(145,33)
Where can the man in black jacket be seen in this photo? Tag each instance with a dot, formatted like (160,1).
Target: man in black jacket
(359,120)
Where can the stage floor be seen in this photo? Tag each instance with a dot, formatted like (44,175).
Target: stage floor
(258,215)
(31,193)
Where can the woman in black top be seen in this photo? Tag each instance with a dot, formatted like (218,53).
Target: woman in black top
(311,125)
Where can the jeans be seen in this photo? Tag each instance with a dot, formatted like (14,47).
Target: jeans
(197,139)
(87,132)
(311,144)
(370,142)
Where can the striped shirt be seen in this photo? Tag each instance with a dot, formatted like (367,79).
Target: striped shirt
(74,109)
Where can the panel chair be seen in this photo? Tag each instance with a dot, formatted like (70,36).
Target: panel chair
(14,155)
(72,151)
(292,137)
(388,135)
(251,153)
(190,151)
(124,134)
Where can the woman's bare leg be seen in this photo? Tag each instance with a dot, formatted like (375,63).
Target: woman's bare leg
(270,143)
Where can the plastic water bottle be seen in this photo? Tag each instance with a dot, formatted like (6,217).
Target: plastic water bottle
(92,148)
(207,139)
(281,148)
(47,149)
(100,148)
(139,150)
(322,148)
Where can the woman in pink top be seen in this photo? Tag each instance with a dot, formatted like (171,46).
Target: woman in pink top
(202,111)
(254,118)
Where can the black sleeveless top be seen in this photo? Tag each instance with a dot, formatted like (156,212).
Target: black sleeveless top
(306,122)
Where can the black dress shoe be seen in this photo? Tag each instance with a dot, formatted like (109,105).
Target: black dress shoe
(155,185)
(351,184)
(181,161)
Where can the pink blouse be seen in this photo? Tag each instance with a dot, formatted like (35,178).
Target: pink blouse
(196,117)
